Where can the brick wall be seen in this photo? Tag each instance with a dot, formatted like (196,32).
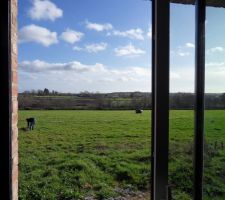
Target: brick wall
(14,78)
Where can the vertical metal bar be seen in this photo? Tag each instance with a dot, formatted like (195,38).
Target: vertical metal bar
(5,102)
(153,99)
(199,102)
(161,107)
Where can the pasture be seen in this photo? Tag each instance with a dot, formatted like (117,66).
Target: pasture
(101,154)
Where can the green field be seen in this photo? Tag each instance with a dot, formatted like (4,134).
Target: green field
(103,154)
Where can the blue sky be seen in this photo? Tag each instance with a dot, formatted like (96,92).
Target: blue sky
(105,46)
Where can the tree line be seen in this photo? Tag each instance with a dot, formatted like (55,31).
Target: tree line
(46,99)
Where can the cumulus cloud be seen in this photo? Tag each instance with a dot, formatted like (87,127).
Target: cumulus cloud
(129,51)
(75,76)
(183,79)
(38,34)
(149,34)
(182,54)
(42,66)
(44,10)
(39,66)
(189,45)
(215,73)
(76,48)
(184,50)
(98,27)
(71,36)
(137,34)
(215,50)
(92,48)
(216,64)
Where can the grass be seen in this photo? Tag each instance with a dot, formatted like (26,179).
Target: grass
(103,154)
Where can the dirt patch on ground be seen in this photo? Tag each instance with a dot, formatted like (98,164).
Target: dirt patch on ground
(143,196)
(135,196)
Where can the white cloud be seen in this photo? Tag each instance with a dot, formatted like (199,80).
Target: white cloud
(76,48)
(182,79)
(190,45)
(38,34)
(215,73)
(98,27)
(39,66)
(184,50)
(92,48)
(174,75)
(137,34)
(183,54)
(215,50)
(44,10)
(71,36)
(149,34)
(42,66)
(129,51)
(75,76)
(216,66)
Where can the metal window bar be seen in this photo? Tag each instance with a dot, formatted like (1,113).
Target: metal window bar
(153,101)
(161,19)
(5,102)
(199,101)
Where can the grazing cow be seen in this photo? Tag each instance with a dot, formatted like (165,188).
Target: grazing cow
(138,111)
(30,123)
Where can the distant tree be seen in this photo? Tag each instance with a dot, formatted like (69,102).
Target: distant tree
(85,94)
(46,91)
(54,92)
(222,100)
(26,92)
(33,92)
(40,92)
(99,100)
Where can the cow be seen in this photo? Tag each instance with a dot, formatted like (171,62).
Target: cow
(30,123)
(138,111)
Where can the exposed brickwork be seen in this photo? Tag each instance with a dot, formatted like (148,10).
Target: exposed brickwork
(14,78)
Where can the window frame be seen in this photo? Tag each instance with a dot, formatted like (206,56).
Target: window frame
(160,99)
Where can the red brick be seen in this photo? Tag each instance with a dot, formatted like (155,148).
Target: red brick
(14,106)
(14,77)
(14,89)
(14,68)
